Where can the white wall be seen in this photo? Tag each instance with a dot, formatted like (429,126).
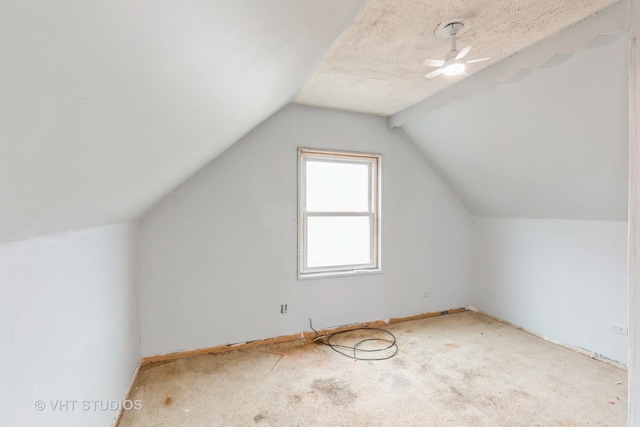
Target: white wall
(69,312)
(565,280)
(219,256)
(550,143)
(634,215)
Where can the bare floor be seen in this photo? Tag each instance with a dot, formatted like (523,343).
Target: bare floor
(457,370)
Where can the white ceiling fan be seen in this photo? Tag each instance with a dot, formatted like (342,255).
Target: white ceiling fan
(453,63)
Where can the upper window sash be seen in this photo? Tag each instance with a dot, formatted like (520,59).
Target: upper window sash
(368,160)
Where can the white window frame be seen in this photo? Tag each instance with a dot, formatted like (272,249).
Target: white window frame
(374,161)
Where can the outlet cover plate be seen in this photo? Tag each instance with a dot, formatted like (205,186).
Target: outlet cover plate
(619,329)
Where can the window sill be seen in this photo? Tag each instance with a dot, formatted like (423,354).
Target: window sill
(330,274)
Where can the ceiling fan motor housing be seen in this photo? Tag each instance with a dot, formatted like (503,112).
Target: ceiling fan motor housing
(456,26)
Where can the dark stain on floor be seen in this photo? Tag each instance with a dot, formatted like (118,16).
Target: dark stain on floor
(399,363)
(338,392)
(401,381)
(455,391)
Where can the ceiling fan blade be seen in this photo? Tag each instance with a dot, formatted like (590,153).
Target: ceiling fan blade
(433,63)
(463,52)
(435,73)
(478,60)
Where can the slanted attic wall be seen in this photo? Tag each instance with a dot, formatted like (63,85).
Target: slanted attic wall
(542,163)
(219,256)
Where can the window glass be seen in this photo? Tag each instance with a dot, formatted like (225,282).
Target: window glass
(337,186)
(338,241)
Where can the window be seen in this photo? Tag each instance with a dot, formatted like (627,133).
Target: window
(339,213)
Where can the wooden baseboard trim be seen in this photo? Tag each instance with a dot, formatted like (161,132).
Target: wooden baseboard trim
(426,315)
(127,394)
(307,336)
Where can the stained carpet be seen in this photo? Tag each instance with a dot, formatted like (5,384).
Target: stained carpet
(457,370)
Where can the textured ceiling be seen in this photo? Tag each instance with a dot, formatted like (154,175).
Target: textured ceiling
(375,66)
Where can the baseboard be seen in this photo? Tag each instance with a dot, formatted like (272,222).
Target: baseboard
(127,394)
(307,336)
(551,340)
(425,315)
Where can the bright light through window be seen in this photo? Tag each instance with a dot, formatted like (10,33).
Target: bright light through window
(337,187)
(338,241)
(338,213)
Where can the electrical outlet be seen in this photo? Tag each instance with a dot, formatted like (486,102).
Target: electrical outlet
(426,294)
(619,329)
(283,308)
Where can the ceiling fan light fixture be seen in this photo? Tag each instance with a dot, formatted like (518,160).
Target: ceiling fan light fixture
(454,62)
(454,69)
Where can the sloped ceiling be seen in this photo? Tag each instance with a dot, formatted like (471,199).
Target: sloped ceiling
(375,66)
(550,143)
(108,105)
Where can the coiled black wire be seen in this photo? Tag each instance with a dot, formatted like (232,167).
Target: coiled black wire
(353,351)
